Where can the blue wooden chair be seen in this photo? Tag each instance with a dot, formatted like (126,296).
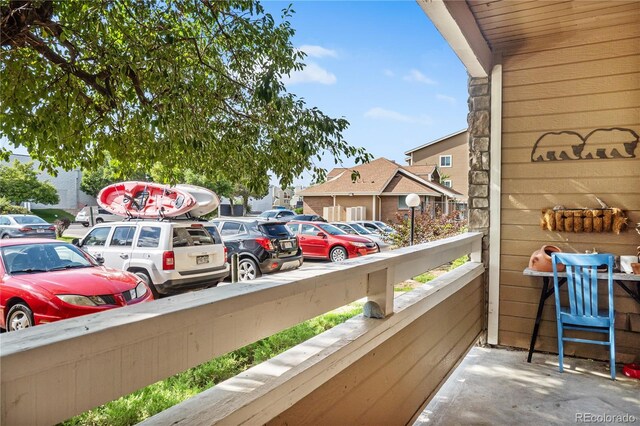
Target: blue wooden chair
(582,312)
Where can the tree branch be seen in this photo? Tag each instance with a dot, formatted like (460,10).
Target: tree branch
(41,47)
(136,85)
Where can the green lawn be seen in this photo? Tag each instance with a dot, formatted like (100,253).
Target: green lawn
(50,215)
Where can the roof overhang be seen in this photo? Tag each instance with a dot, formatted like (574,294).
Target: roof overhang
(435,142)
(458,26)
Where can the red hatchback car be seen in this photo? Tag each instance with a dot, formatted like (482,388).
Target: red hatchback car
(322,240)
(43,281)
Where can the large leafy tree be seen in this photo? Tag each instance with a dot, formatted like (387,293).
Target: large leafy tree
(19,183)
(193,84)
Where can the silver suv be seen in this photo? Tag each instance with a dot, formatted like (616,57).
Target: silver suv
(170,256)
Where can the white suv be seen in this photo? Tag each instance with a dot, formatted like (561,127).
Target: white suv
(170,256)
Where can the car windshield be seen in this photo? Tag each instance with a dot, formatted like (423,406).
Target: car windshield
(330,229)
(360,229)
(33,258)
(268,214)
(384,226)
(26,220)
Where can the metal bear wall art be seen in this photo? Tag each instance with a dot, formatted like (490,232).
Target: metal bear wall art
(615,142)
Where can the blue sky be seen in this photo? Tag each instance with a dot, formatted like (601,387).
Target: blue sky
(384,67)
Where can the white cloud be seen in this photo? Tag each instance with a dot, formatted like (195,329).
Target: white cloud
(449,99)
(386,114)
(312,73)
(417,76)
(318,51)
(388,73)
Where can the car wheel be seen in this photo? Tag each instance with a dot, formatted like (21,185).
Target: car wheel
(5,236)
(338,254)
(247,270)
(19,317)
(99,220)
(85,224)
(147,280)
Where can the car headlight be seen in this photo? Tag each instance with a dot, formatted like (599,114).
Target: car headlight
(76,299)
(139,291)
(359,244)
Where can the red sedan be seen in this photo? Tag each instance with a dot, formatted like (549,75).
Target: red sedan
(321,240)
(43,281)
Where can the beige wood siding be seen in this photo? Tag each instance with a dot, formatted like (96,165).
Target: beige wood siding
(456,146)
(390,384)
(585,80)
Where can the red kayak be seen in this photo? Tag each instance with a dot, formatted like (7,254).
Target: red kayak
(145,200)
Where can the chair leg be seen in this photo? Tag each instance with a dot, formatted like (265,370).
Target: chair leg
(612,353)
(560,348)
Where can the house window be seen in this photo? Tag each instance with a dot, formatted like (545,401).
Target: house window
(402,202)
(447,183)
(445,161)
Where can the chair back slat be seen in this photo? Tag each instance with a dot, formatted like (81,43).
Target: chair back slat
(594,291)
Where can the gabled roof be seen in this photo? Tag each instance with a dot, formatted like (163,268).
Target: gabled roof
(335,172)
(401,185)
(434,142)
(423,170)
(380,176)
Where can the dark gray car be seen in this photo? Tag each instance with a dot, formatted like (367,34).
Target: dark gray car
(262,246)
(25,226)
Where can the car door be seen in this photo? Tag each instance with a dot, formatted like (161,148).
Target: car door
(117,252)
(312,244)
(95,241)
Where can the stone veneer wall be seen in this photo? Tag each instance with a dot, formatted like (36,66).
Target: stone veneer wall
(479,120)
(479,158)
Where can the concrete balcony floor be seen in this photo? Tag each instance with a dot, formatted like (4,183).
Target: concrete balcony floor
(498,387)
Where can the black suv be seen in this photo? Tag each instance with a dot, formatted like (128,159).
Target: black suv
(262,246)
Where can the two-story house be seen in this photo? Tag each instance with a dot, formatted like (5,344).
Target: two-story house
(450,154)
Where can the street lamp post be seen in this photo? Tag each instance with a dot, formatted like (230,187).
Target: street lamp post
(413,201)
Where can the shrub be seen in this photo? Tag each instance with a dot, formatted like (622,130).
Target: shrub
(298,210)
(426,228)
(7,208)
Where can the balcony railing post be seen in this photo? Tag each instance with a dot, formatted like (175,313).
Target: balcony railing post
(476,250)
(379,294)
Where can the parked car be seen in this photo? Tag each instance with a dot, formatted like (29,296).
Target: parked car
(309,218)
(375,226)
(356,229)
(47,280)
(170,256)
(262,246)
(25,226)
(100,215)
(322,240)
(281,215)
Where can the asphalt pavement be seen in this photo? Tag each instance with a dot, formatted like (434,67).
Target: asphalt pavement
(75,231)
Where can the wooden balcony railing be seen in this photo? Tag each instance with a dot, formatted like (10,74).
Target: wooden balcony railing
(55,371)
